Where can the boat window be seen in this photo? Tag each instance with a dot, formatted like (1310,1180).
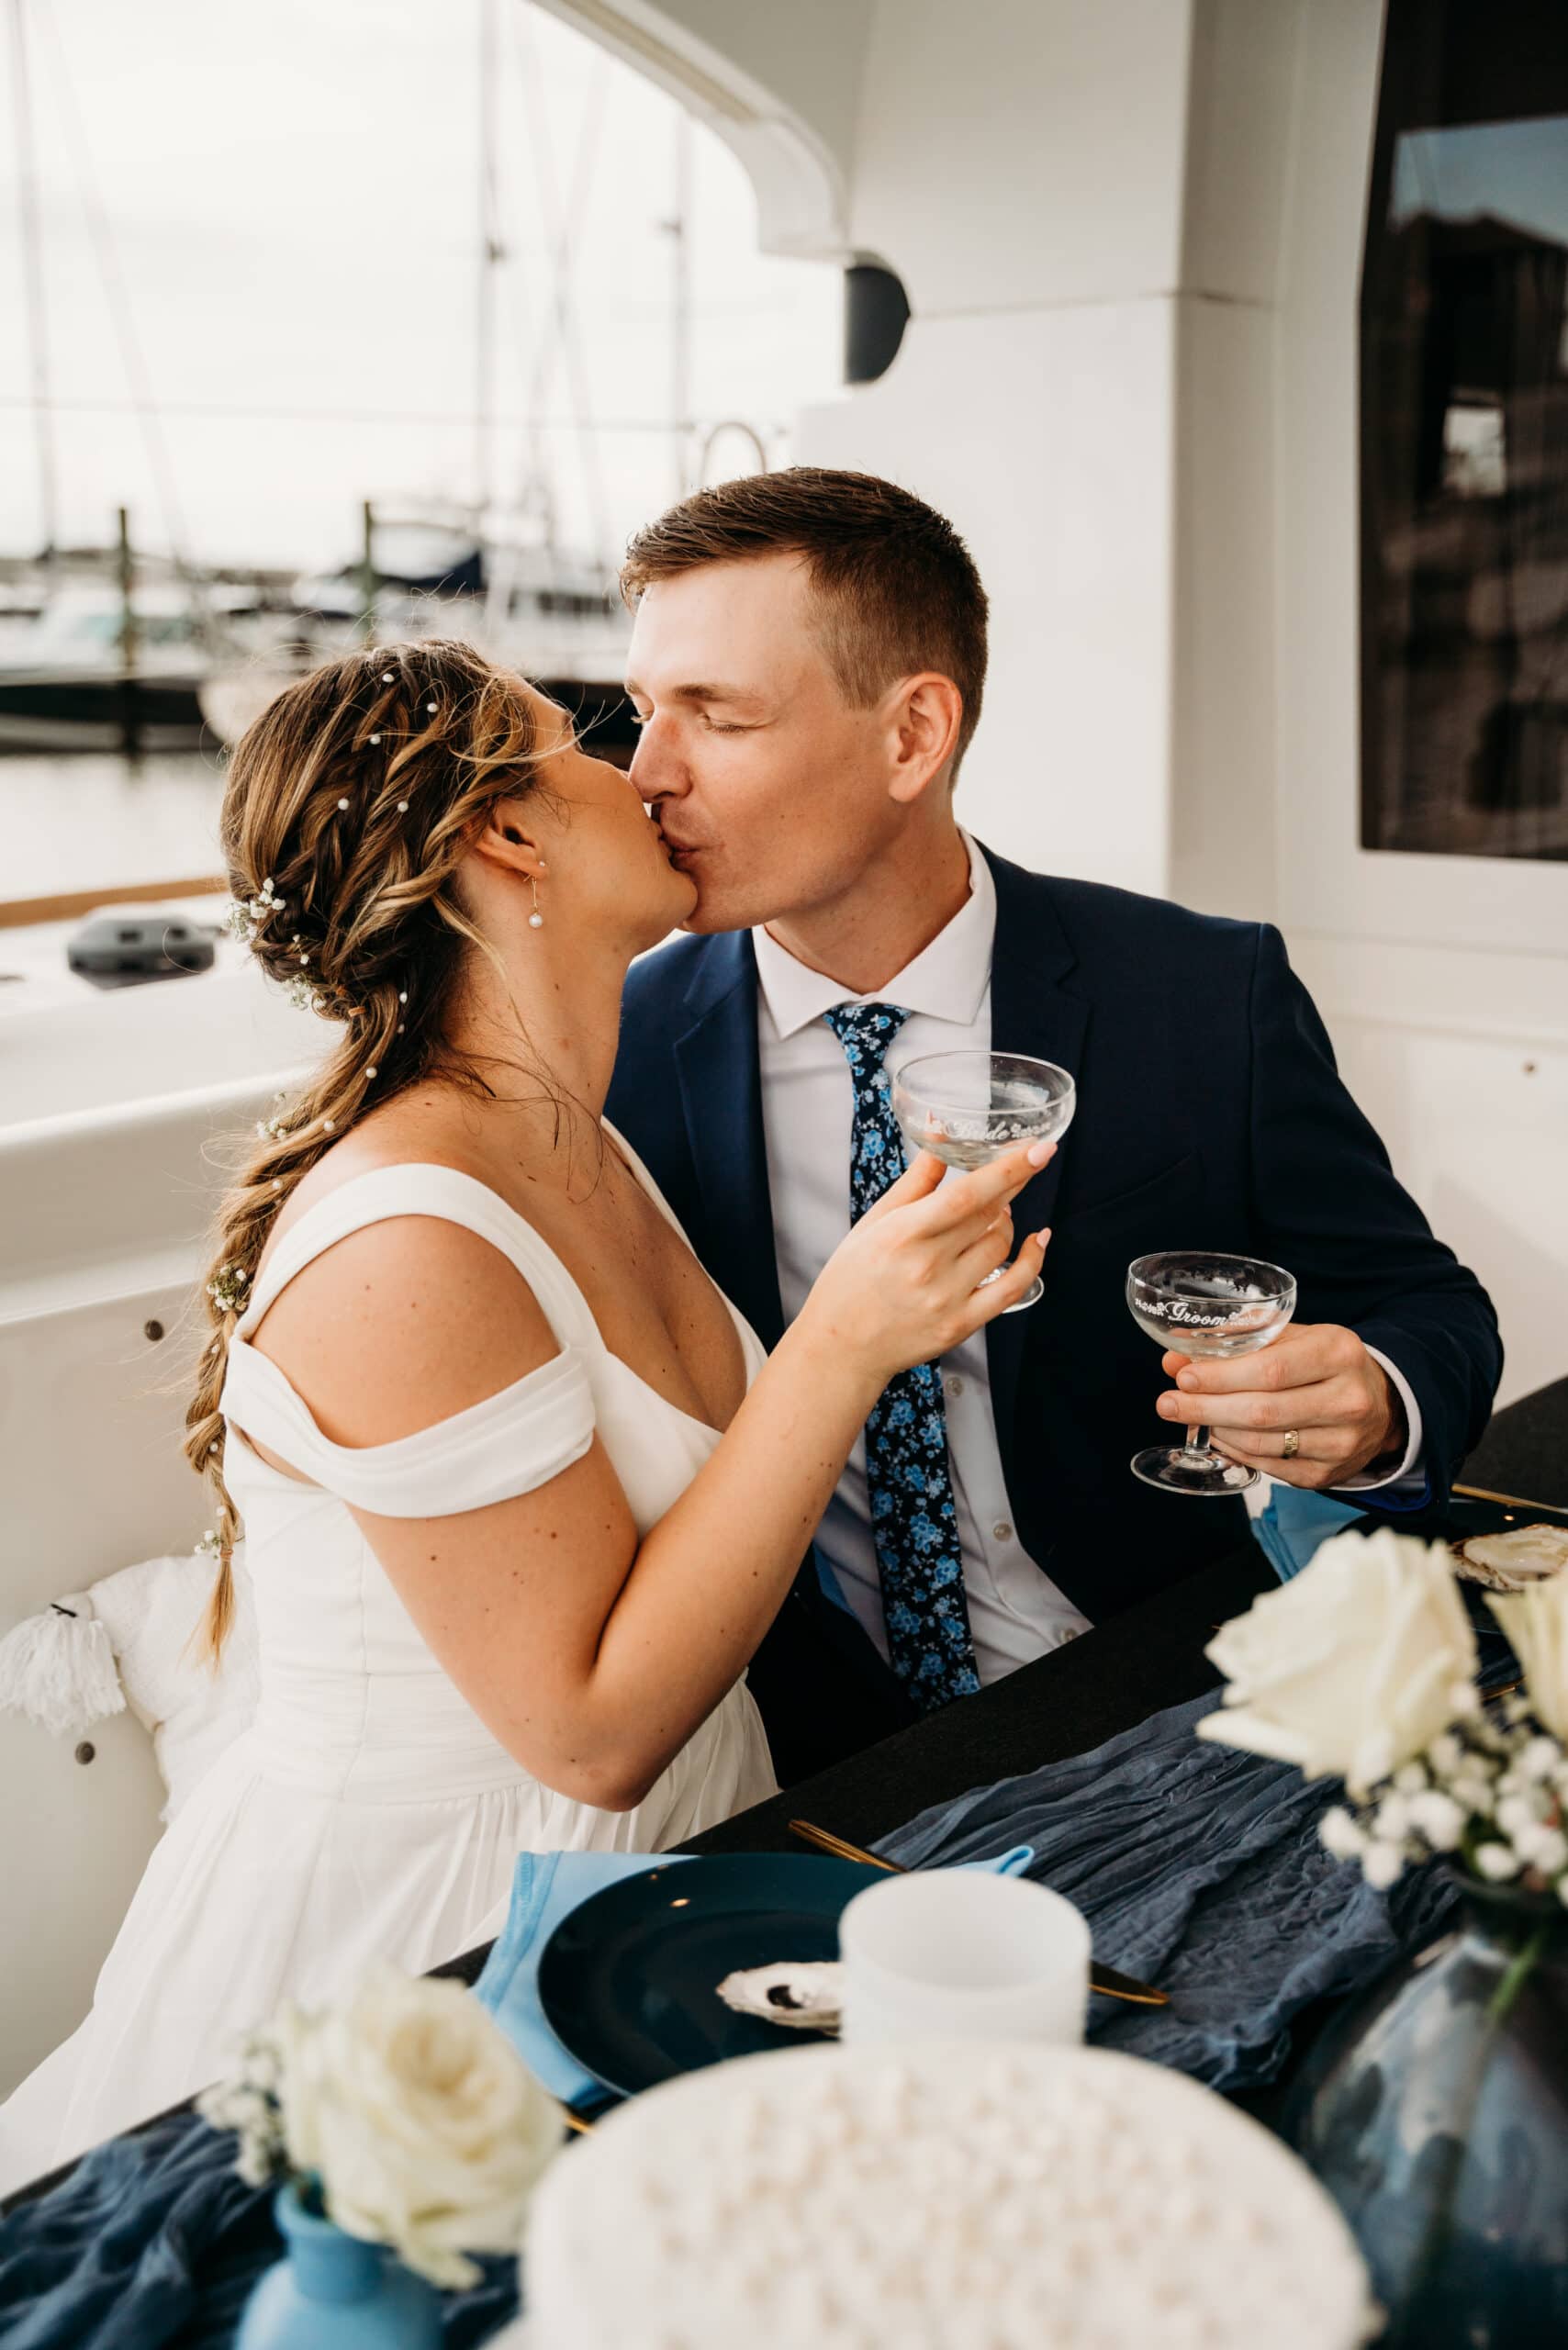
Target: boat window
(1465,435)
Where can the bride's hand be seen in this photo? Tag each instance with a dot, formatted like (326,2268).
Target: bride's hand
(903,1288)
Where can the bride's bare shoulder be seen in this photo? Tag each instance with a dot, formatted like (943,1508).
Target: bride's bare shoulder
(425,1127)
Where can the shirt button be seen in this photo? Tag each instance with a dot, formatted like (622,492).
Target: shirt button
(1001,1530)
(953,1383)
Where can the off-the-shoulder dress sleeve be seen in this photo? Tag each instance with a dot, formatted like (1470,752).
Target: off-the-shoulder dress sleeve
(509,1443)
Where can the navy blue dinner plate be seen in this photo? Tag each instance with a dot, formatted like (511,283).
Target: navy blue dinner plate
(629,1981)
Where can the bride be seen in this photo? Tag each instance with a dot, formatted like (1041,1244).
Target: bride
(520,1492)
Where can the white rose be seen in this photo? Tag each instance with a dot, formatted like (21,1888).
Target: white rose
(427,2129)
(1351,1667)
(1536,1621)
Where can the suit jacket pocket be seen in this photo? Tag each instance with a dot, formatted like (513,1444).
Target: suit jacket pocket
(1173,1187)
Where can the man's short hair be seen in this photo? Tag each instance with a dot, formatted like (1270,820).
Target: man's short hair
(896,588)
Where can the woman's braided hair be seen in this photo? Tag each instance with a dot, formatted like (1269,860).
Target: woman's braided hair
(351,804)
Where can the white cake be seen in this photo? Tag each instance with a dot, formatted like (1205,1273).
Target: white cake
(938,2197)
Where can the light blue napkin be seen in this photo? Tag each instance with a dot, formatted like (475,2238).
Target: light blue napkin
(1292,1525)
(547,1888)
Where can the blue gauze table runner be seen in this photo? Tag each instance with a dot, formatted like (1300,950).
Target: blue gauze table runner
(1200,1869)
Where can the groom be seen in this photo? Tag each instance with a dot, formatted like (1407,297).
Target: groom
(807,668)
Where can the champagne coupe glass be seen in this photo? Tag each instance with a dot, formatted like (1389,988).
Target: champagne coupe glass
(969,1108)
(1195,1302)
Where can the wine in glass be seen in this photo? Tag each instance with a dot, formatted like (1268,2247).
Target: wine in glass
(968,1108)
(1195,1302)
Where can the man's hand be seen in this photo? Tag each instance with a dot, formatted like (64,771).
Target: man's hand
(1318,1379)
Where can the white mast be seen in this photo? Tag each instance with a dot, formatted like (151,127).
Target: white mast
(492,252)
(679,227)
(32,266)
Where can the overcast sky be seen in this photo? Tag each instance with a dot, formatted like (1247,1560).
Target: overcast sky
(291,194)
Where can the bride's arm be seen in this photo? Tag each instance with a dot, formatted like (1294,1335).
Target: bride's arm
(590,1654)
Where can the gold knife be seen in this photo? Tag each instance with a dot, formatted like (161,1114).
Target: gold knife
(1106,1979)
(1509,1501)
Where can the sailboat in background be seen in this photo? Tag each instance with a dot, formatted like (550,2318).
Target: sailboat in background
(494,570)
(107,650)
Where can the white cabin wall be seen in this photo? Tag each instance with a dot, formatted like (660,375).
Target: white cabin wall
(115,1125)
(1241,113)
(1067,770)
(1019,162)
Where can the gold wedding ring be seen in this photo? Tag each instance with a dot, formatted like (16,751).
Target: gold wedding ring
(1293,1443)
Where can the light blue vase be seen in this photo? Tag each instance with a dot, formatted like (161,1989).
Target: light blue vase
(332,2292)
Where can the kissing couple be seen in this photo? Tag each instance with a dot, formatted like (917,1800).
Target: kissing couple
(577,1338)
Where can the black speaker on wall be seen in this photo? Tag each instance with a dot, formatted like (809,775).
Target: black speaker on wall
(876,312)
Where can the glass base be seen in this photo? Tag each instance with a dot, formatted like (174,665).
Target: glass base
(1184,1469)
(1031,1296)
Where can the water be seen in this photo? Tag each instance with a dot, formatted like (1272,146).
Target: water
(95,820)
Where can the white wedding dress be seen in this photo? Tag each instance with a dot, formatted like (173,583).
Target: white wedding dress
(368,1811)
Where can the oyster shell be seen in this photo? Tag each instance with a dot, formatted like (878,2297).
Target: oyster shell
(1508,1561)
(804,1993)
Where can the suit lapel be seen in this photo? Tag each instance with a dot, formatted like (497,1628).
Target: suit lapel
(1032,1011)
(718,1072)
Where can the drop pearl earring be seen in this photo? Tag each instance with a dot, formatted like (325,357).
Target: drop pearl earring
(535,920)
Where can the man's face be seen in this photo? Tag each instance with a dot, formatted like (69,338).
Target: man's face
(770,789)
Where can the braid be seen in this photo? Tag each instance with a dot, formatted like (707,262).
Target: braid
(350,803)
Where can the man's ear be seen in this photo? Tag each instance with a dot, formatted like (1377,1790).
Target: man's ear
(506,838)
(923,718)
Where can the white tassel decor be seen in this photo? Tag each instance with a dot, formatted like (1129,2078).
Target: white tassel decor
(59,1670)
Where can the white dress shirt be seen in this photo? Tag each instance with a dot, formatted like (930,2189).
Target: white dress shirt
(1016,1613)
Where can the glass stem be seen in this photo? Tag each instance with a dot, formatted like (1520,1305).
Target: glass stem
(1198,1439)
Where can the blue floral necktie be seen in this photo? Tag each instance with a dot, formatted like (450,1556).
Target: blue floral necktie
(912,1520)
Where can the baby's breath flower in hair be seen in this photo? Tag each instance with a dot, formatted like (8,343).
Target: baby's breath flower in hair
(246,915)
(228,1287)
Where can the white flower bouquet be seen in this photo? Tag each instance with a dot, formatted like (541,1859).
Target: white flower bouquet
(404,2116)
(1363,1667)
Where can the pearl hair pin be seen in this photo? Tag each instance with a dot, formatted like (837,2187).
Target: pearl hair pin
(402,807)
(375,741)
(431,708)
(387,678)
(342,803)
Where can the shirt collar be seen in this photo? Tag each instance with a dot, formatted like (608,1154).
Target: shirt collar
(946,980)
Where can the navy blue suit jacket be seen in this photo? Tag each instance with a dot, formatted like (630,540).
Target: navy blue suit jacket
(1209,1115)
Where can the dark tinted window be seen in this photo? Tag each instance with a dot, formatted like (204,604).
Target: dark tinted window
(1464,434)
